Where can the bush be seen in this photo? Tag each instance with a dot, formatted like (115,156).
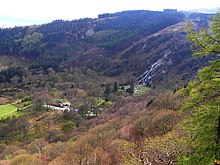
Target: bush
(53,135)
(26,98)
(25,159)
(8,152)
(55,150)
(27,103)
(153,123)
(2,147)
(37,146)
(68,127)
(140,127)
(164,121)
(19,152)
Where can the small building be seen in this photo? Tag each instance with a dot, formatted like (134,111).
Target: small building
(59,106)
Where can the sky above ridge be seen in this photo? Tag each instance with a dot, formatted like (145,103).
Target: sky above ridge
(27,12)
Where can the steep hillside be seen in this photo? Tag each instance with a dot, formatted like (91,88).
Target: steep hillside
(97,91)
(10,61)
(163,58)
(166,56)
(148,46)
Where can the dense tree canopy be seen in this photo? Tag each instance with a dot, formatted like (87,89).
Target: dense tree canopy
(203,123)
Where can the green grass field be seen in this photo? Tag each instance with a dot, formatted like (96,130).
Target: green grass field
(141,90)
(7,110)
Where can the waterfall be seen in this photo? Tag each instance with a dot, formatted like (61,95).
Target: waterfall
(146,77)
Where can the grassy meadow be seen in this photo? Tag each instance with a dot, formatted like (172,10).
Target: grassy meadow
(7,110)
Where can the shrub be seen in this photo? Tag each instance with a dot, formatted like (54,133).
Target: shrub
(54,135)
(153,123)
(55,150)
(19,152)
(8,152)
(2,147)
(27,103)
(163,121)
(68,127)
(25,159)
(26,98)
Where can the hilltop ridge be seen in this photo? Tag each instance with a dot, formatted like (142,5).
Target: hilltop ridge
(112,44)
